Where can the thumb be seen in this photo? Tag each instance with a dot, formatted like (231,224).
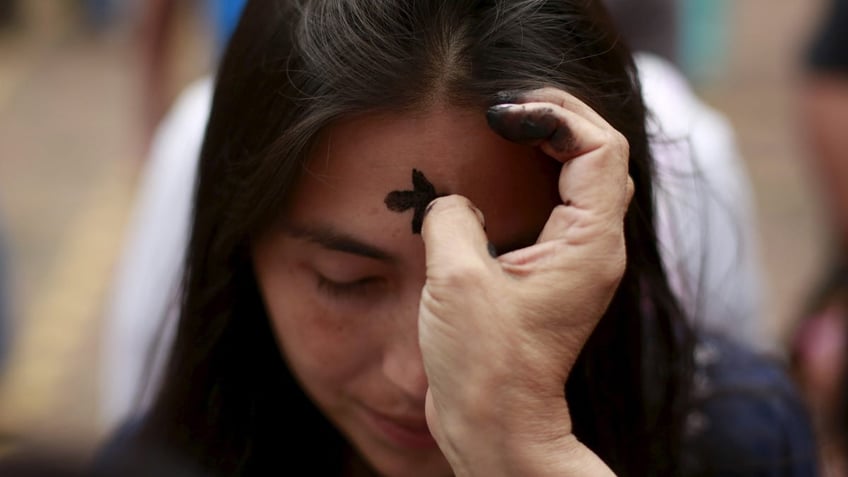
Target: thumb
(454,236)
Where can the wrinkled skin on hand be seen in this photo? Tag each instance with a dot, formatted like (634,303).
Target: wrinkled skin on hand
(500,335)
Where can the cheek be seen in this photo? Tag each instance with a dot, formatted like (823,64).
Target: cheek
(324,348)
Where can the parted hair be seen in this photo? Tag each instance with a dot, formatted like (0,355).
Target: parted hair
(228,401)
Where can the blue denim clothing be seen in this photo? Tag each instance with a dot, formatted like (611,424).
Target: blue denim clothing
(747,420)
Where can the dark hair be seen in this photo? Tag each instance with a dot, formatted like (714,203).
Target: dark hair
(295,66)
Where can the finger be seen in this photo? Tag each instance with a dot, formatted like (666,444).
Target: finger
(539,123)
(567,101)
(554,96)
(454,236)
(595,175)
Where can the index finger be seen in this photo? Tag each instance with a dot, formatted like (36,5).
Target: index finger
(454,238)
(594,180)
(563,99)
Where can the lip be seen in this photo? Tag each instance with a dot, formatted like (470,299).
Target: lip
(406,432)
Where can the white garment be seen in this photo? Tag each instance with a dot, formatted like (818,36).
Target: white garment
(704,221)
(705,213)
(144,302)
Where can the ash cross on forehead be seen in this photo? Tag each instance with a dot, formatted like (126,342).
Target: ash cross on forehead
(422,194)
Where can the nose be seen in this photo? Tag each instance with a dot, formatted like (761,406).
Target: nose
(403,366)
(402,361)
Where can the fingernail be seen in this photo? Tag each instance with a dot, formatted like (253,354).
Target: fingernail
(507,96)
(429,207)
(498,116)
(479,215)
(493,251)
(519,125)
(500,108)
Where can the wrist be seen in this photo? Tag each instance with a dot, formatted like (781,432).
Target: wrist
(565,456)
(532,442)
(540,455)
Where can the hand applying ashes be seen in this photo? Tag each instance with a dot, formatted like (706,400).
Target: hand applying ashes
(499,336)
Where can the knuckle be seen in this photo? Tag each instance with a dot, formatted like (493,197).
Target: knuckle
(620,261)
(624,146)
(631,190)
(618,142)
(564,218)
(562,214)
(616,263)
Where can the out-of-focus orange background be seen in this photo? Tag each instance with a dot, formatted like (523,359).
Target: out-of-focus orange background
(71,147)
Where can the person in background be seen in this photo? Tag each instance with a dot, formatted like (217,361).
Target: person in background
(707,212)
(649,25)
(142,307)
(157,18)
(819,346)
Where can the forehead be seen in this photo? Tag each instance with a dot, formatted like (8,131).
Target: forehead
(358,161)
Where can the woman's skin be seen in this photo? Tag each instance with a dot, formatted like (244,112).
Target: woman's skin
(395,337)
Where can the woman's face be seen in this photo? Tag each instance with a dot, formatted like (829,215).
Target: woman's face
(342,276)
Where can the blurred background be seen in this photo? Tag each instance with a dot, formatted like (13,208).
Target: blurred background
(74,131)
(76,116)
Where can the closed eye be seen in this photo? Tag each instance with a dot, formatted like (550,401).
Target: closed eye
(361,288)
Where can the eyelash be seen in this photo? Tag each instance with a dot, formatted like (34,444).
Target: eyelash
(347,290)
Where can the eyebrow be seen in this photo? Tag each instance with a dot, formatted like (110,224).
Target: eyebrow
(333,239)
